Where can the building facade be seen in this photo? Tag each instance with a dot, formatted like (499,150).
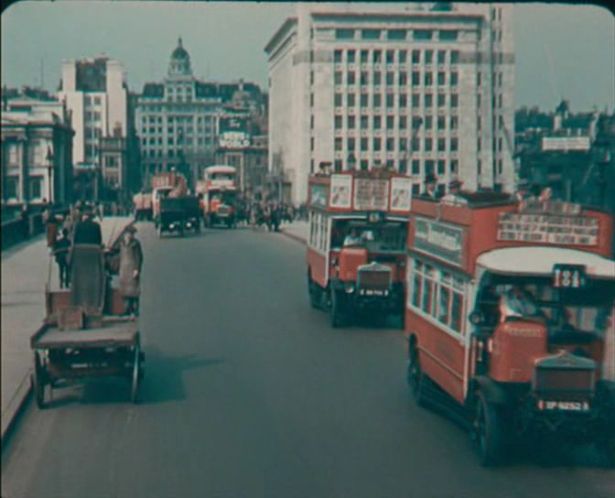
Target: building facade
(177,120)
(96,94)
(421,91)
(36,157)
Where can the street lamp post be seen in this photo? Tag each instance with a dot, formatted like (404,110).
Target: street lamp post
(50,176)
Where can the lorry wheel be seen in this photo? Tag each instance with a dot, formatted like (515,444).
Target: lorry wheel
(487,431)
(338,318)
(417,380)
(38,382)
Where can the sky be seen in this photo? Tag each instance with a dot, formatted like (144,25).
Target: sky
(562,51)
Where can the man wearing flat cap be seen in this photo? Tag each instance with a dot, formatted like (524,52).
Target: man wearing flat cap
(131,261)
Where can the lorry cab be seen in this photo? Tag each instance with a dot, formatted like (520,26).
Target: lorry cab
(509,320)
(356,244)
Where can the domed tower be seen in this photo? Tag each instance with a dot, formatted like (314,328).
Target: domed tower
(180,61)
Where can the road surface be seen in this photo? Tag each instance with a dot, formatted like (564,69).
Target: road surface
(249,393)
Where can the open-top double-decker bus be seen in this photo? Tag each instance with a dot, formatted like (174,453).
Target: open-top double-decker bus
(507,314)
(356,244)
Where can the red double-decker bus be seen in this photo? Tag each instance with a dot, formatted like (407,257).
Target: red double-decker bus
(508,312)
(356,243)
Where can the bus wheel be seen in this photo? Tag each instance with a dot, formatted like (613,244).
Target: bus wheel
(417,380)
(487,431)
(315,298)
(337,311)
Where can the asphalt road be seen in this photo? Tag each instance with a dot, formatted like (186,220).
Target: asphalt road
(249,393)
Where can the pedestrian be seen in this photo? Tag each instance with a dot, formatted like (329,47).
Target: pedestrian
(131,261)
(430,187)
(51,226)
(87,231)
(25,221)
(61,248)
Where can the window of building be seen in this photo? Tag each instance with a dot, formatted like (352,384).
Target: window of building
(403,123)
(364,122)
(416,143)
(454,144)
(428,144)
(428,100)
(390,144)
(337,165)
(10,187)
(377,78)
(351,77)
(479,78)
(390,78)
(454,100)
(338,143)
(454,78)
(448,35)
(416,167)
(390,100)
(377,122)
(337,56)
(337,100)
(403,100)
(422,35)
(403,166)
(416,100)
(377,100)
(35,187)
(402,56)
(403,79)
(351,56)
(428,122)
(396,34)
(337,77)
(311,100)
(311,143)
(364,78)
(96,100)
(364,100)
(364,165)
(350,144)
(441,100)
(416,57)
(351,122)
(370,34)
(364,144)
(428,78)
(364,56)
(429,167)
(441,56)
(441,78)
(390,122)
(479,166)
(441,145)
(338,122)
(351,99)
(454,56)
(377,143)
(312,122)
(428,56)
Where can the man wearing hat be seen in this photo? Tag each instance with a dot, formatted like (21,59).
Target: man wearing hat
(430,187)
(87,231)
(131,261)
(454,191)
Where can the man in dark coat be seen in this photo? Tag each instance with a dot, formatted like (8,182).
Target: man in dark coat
(131,261)
(87,231)
(60,251)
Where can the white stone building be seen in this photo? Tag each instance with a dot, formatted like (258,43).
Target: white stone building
(36,158)
(423,91)
(96,95)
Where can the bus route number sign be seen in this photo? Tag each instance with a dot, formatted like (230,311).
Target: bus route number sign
(569,276)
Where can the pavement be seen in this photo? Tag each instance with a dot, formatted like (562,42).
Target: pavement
(248,392)
(297,230)
(26,269)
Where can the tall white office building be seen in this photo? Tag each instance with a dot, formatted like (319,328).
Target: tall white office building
(420,89)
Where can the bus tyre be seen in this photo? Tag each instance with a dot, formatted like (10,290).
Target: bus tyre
(417,380)
(606,446)
(315,298)
(337,309)
(487,431)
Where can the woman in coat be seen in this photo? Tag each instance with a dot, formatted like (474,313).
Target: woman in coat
(131,261)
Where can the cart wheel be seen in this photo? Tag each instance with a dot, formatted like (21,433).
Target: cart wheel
(136,372)
(38,382)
